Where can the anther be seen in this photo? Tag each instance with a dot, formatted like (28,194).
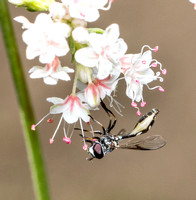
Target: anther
(143,103)
(161,89)
(143,62)
(133,104)
(33,127)
(138,113)
(85,147)
(164,71)
(156,48)
(67,140)
(51,140)
(154,64)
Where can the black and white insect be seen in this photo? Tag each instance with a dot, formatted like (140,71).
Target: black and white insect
(106,143)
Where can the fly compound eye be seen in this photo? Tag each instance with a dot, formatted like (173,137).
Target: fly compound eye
(98,150)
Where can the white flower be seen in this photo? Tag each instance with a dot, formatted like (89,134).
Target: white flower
(86,9)
(71,109)
(45,38)
(51,72)
(57,11)
(106,86)
(104,52)
(97,90)
(138,72)
(194,3)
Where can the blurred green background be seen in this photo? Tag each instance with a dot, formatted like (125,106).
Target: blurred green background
(165,174)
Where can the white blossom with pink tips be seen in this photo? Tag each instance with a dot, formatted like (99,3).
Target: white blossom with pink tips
(87,10)
(104,52)
(138,72)
(71,108)
(45,38)
(51,73)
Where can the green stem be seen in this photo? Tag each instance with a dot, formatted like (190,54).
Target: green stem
(26,113)
(75,81)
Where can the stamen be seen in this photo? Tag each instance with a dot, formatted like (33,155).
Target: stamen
(155,49)
(138,113)
(72,130)
(164,71)
(52,139)
(64,132)
(118,105)
(133,104)
(159,87)
(154,64)
(85,147)
(92,129)
(143,103)
(82,131)
(67,140)
(33,126)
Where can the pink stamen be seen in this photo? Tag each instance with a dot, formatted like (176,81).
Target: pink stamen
(137,81)
(33,127)
(154,65)
(161,89)
(138,113)
(143,104)
(133,104)
(156,48)
(50,120)
(51,141)
(143,62)
(94,140)
(67,140)
(164,71)
(85,147)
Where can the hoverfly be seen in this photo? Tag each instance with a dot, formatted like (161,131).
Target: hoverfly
(106,143)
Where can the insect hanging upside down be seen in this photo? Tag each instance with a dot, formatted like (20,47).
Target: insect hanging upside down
(100,146)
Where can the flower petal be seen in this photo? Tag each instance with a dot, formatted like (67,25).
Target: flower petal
(55,100)
(50,81)
(87,57)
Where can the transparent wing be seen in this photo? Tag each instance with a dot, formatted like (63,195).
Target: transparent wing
(152,142)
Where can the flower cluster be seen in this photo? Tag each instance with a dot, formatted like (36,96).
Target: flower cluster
(100,58)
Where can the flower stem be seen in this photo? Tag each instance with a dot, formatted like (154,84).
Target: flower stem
(26,112)
(75,81)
